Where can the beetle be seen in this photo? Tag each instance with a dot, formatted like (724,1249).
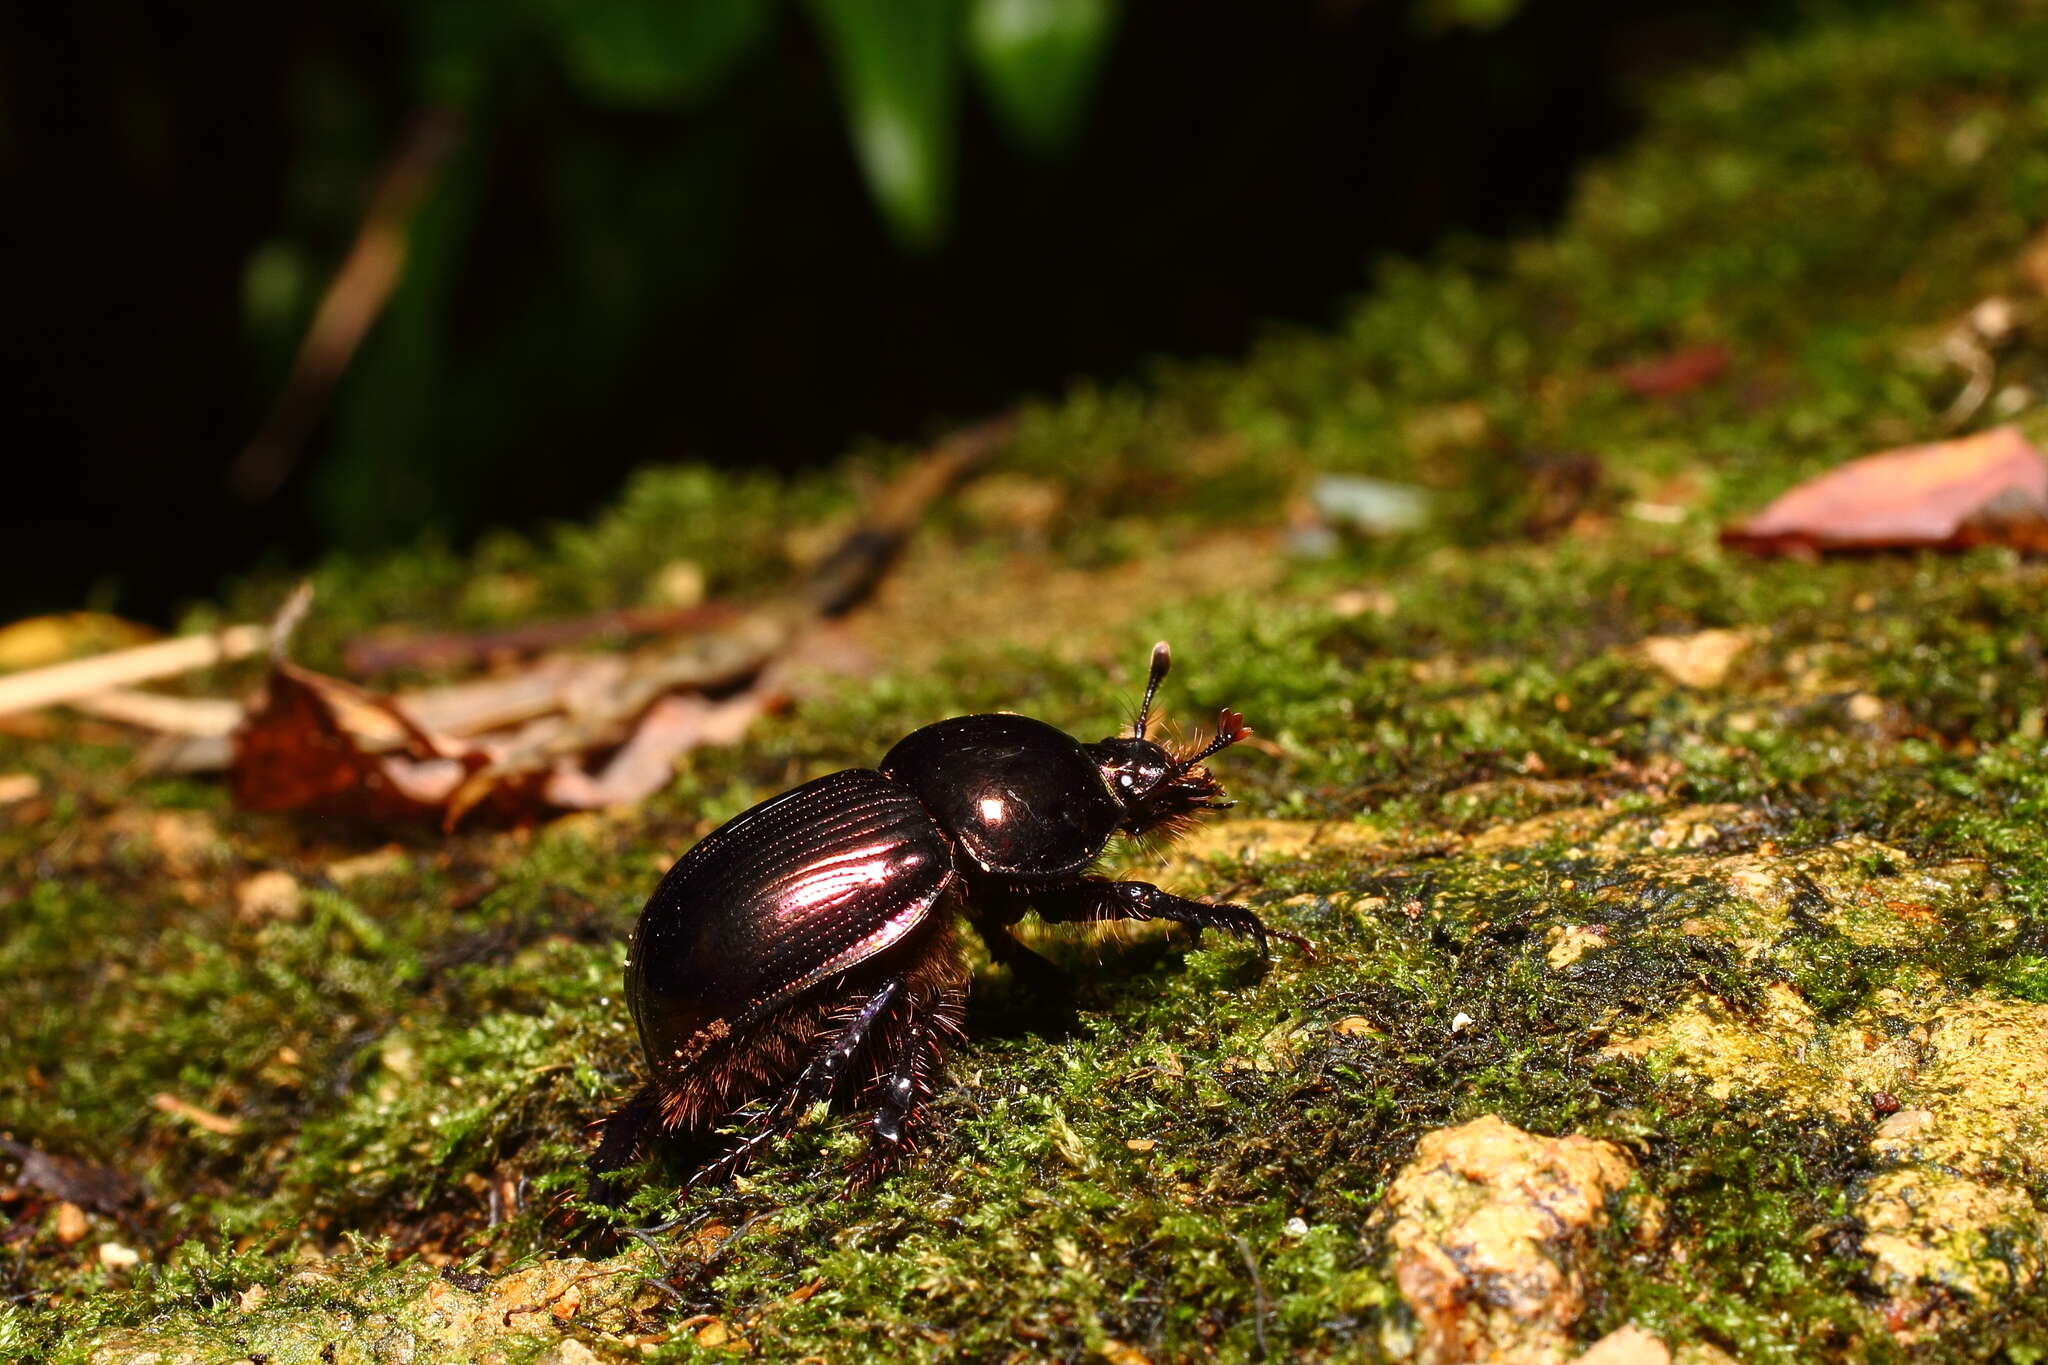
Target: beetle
(806,951)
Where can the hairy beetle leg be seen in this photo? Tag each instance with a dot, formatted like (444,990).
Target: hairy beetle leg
(625,1137)
(817,1083)
(907,1084)
(1100,899)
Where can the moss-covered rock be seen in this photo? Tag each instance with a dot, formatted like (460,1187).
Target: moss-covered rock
(1732,869)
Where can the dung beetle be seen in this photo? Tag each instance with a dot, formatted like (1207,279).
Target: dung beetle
(806,952)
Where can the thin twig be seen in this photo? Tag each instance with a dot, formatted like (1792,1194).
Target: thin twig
(354,299)
(59,683)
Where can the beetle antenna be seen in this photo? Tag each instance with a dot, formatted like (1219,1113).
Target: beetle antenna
(1162,659)
(1230,728)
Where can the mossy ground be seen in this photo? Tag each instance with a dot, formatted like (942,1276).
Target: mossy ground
(1473,760)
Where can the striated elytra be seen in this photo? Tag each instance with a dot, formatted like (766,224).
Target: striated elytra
(806,951)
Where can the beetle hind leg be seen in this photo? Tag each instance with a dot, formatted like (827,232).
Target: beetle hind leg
(818,1083)
(915,1054)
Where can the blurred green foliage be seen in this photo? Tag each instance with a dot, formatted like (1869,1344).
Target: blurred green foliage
(632,230)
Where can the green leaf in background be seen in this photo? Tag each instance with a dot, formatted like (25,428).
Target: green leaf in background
(1037,61)
(1437,16)
(651,53)
(898,63)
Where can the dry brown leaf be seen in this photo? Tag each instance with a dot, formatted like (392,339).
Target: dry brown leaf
(319,744)
(1991,488)
(1675,372)
(72,1180)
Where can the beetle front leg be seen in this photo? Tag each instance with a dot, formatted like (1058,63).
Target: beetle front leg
(1097,898)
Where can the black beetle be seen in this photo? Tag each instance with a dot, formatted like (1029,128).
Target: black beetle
(805,951)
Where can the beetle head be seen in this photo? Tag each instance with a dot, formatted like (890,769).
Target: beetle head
(1163,788)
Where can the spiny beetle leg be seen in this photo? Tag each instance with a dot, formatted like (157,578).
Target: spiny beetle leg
(905,1086)
(817,1082)
(1098,899)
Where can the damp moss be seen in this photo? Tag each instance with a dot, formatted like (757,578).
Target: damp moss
(1515,840)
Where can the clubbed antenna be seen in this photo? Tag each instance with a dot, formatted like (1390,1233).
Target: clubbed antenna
(1162,659)
(1230,728)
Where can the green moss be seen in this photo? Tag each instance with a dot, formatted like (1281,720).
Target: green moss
(412,1056)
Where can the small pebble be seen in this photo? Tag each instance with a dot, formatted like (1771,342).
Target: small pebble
(114,1256)
(1460,1021)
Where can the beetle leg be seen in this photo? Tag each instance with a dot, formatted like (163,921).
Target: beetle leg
(817,1082)
(624,1137)
(907,1084)
(1095,898)
(1026,965)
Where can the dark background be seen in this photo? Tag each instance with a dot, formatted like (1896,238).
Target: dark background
(594,288)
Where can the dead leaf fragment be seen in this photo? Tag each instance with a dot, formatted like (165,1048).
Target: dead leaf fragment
(1991,488)
(114,1256)
(87,1183)
(42,640)
(71,1224)
(1675,372)
(1629,1345)
(1698,660)
(269,895)
(1122,1353)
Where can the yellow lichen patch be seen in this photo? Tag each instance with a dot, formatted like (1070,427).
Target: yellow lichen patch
(1576,823)
(1488,1225)
(1685,828)
(434,1319)
(1926,1227)
(1984,1089)
(1259,841)
(1869,892)
(1950,1214)
(1782,1052)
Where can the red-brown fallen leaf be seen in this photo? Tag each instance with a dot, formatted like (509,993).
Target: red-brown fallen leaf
(1991,488)
(1674,373)
(319,744)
